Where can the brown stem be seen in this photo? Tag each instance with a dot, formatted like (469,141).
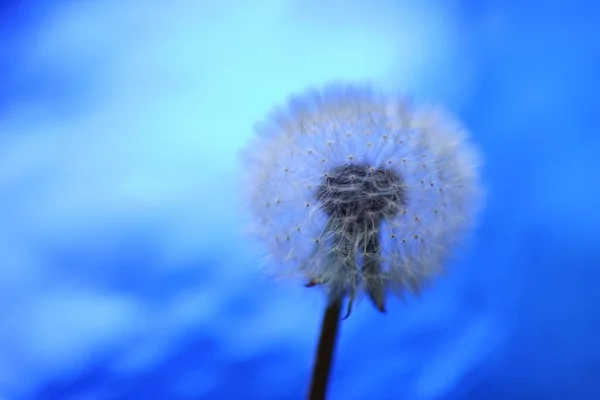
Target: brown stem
(325,351)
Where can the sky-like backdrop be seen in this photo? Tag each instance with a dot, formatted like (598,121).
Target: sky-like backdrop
(125,271)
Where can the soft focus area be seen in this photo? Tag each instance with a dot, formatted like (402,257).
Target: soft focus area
(125,271)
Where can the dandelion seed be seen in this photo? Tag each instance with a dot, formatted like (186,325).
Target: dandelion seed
(350,203)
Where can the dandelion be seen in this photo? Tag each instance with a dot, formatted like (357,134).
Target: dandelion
(360,192)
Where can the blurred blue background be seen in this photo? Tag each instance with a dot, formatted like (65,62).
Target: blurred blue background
(125,273)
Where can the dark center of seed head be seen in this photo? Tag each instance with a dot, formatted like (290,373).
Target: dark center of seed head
(356,198)
(361,193)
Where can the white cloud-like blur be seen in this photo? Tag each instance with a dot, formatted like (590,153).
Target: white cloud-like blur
(125,125)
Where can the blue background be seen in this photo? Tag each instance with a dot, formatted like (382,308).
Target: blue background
(125,272)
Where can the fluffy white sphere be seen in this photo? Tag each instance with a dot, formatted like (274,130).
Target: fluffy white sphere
(356,190)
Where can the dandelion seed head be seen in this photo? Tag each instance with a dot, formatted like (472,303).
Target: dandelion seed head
(360,191)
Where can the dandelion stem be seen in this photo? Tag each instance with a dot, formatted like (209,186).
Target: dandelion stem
(326,349)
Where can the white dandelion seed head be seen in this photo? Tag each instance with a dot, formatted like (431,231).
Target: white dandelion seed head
(360,191)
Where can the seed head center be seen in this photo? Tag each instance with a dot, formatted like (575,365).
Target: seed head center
(361,192)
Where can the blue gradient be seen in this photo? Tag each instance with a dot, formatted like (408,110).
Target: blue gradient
(125,273)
